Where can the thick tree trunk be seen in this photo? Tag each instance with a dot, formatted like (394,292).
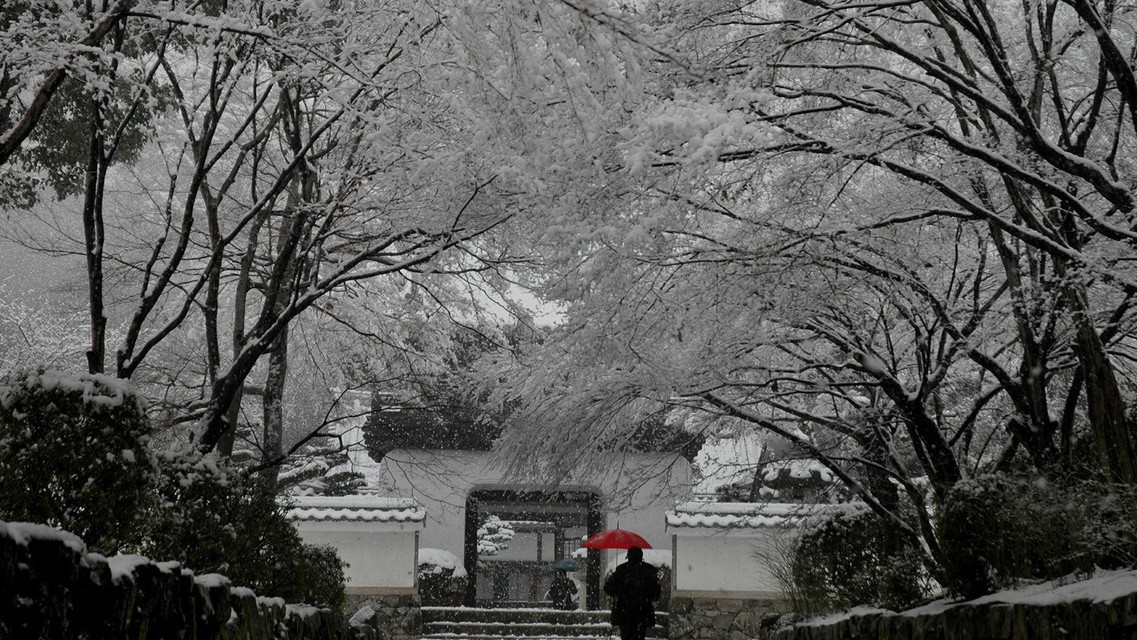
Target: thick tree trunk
(272,412)
(1104,403)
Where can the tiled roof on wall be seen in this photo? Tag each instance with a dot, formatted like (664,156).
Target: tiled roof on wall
(357,508)
(748,515)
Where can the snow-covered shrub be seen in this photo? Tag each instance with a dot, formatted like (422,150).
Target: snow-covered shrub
(441,578)
(852,557)
(74,455)
(664,603)
(494,536)
(320,469)
(216,520)
(1111,528)
(997,530)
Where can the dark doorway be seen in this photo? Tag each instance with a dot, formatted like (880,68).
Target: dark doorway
(550,524)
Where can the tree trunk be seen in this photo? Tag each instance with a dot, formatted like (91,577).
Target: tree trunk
(240,306)
(877,481)
(1029,396)
(272,412)
(213,286)
(1104,403)
(932,449)
(93,240)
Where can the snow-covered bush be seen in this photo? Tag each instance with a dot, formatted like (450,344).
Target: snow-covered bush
(997,530)
(215,520)
(494,536)
(854,557)
(441,578)
(74,455)
(1111,529)
(321,469)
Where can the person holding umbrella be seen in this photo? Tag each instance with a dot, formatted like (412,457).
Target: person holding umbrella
(634,588)
(563,591)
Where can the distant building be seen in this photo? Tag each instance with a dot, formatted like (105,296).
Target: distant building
(433,480)
(446,465)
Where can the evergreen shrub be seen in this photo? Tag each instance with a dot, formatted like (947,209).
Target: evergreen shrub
(997,531)
(75,454)
(854,557)
(214,520)
(440,585)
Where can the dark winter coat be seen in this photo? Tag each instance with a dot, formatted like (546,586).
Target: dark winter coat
(634,588)
(563,593)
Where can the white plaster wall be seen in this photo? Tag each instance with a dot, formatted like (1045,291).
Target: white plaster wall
(439,481)
(645,517)
(378,554)
(636,491)
(737,562)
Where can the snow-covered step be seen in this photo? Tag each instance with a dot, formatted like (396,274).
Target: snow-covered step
(522,629)
(545,615)
(548,616)
(462,636)
(462,623)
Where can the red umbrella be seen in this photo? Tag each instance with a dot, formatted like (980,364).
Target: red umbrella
(616,539)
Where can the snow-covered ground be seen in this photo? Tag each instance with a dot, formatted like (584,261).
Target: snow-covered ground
(1104,586)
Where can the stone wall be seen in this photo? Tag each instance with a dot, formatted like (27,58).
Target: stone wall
(392,616)
(1097,615)
(722,618)
(52,589)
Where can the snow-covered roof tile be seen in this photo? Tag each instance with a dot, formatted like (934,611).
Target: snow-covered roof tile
(745,515)
(357,508)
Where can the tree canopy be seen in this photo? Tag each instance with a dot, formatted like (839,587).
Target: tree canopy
(233,173)
(898,235)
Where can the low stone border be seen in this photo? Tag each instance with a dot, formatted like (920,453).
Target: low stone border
(1100,608)
(392,616)
(726,618)
(52,588)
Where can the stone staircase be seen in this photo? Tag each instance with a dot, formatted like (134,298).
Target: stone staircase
(462,623)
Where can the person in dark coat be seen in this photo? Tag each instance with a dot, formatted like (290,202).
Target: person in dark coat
(634,588)
(563,592)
